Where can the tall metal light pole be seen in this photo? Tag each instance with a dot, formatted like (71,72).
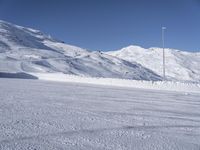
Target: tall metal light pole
(163,44)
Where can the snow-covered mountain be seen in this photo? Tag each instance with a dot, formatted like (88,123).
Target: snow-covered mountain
(180,65)
(30,51)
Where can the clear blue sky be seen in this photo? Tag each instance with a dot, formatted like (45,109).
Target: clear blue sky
(110,24)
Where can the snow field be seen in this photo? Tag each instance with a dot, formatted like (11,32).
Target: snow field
(40,115)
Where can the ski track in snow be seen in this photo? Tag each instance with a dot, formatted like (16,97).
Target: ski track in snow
(40,115)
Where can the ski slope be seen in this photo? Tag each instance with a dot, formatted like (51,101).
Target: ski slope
(180,65)
(38,115)
(31,51)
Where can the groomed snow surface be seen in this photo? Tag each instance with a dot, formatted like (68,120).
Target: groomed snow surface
(46,115)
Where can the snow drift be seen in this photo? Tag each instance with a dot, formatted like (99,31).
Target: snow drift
(154,85)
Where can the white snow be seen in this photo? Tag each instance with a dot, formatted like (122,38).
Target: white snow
(91,107)
(44,115)
(156,85)
(180,65)
(28,50)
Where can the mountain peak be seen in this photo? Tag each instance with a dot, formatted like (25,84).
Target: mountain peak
(129,50)
(133,47)
(180,65)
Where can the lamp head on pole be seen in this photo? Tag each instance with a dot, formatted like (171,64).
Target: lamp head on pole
(163,28)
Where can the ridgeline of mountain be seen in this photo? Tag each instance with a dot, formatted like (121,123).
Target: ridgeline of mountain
(180,65)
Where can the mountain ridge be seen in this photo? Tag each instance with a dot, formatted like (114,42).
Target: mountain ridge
(180,65)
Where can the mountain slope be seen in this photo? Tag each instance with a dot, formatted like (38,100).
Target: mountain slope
(28,50)
(180,65)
